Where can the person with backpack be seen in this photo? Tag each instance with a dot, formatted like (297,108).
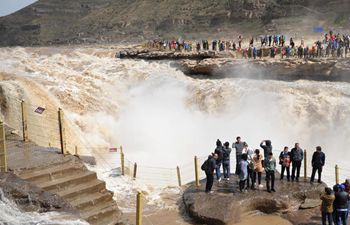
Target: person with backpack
(218,151)
(226,160)
(270,168)
(341,206)
(238,146)
(250,154)
(297,156)
(258,168)
(267,147)
(243,173)
(285,163)
(208,167)
(347,190)
(318,161)
(327,206)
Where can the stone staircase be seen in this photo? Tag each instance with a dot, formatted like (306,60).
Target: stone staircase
(80,187)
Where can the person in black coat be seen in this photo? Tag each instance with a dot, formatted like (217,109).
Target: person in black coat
(267,148)
(219,151)
(209,167)
(341,206)
(318,161)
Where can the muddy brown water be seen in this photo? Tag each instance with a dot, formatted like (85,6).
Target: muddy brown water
(264,220)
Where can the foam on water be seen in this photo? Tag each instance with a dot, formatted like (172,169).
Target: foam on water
(163,118)
(11,215)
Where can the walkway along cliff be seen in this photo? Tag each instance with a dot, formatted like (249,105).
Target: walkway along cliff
(214,64)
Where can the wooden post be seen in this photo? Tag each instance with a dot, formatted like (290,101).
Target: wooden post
(178,176)
(24,121)
(135,170)
(3,153)
(336,174)
(196,170)
(76,150)
(62,130)
(122,162)
(139,209)
(305,165)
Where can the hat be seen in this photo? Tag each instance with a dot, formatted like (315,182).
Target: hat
(342,187)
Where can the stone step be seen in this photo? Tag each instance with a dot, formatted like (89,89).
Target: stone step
(84,202)
(48,174)
(68,181)
(111,219)
(90,187)
(107,210)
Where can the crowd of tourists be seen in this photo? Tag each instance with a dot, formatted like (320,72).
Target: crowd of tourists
(331,44)
(252,164)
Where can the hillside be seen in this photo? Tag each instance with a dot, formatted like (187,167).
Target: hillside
(63,21)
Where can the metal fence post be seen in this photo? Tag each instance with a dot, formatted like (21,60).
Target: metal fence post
(122,163)
(24,121)
(62,130)
(196,170)
(135,170)
(178,176)
(305,165)
(336,174)
(3,153)
(139,209)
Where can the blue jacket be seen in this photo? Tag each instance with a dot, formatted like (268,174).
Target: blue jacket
(297,155)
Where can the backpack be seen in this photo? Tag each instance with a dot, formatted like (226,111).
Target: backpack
(225,154)
(205,165)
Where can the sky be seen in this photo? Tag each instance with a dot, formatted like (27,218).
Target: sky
(10,6)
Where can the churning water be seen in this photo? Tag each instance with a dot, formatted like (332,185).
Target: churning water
(163,117)
(11,215)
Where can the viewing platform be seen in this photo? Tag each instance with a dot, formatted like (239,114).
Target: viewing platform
(297,202)
(232,64)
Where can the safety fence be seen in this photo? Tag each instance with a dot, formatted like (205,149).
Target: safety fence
(50,127)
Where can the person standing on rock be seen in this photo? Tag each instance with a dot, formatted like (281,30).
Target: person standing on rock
(297,156)
(258,168)
(226,151)
(285,163)
(267,147)
(209,166)
(347,190)
(243,173)
(318,161)
(218,151)
(250,154)
(327,206)
(270,168)
(240,40)
(341,206)
(238,146)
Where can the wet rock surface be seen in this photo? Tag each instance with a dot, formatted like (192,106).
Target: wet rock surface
(164,55)
(227,204)
(275,69)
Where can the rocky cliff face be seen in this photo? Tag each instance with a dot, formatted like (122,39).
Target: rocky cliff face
(55,21)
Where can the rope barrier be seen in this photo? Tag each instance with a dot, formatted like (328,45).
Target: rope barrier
(43,129)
